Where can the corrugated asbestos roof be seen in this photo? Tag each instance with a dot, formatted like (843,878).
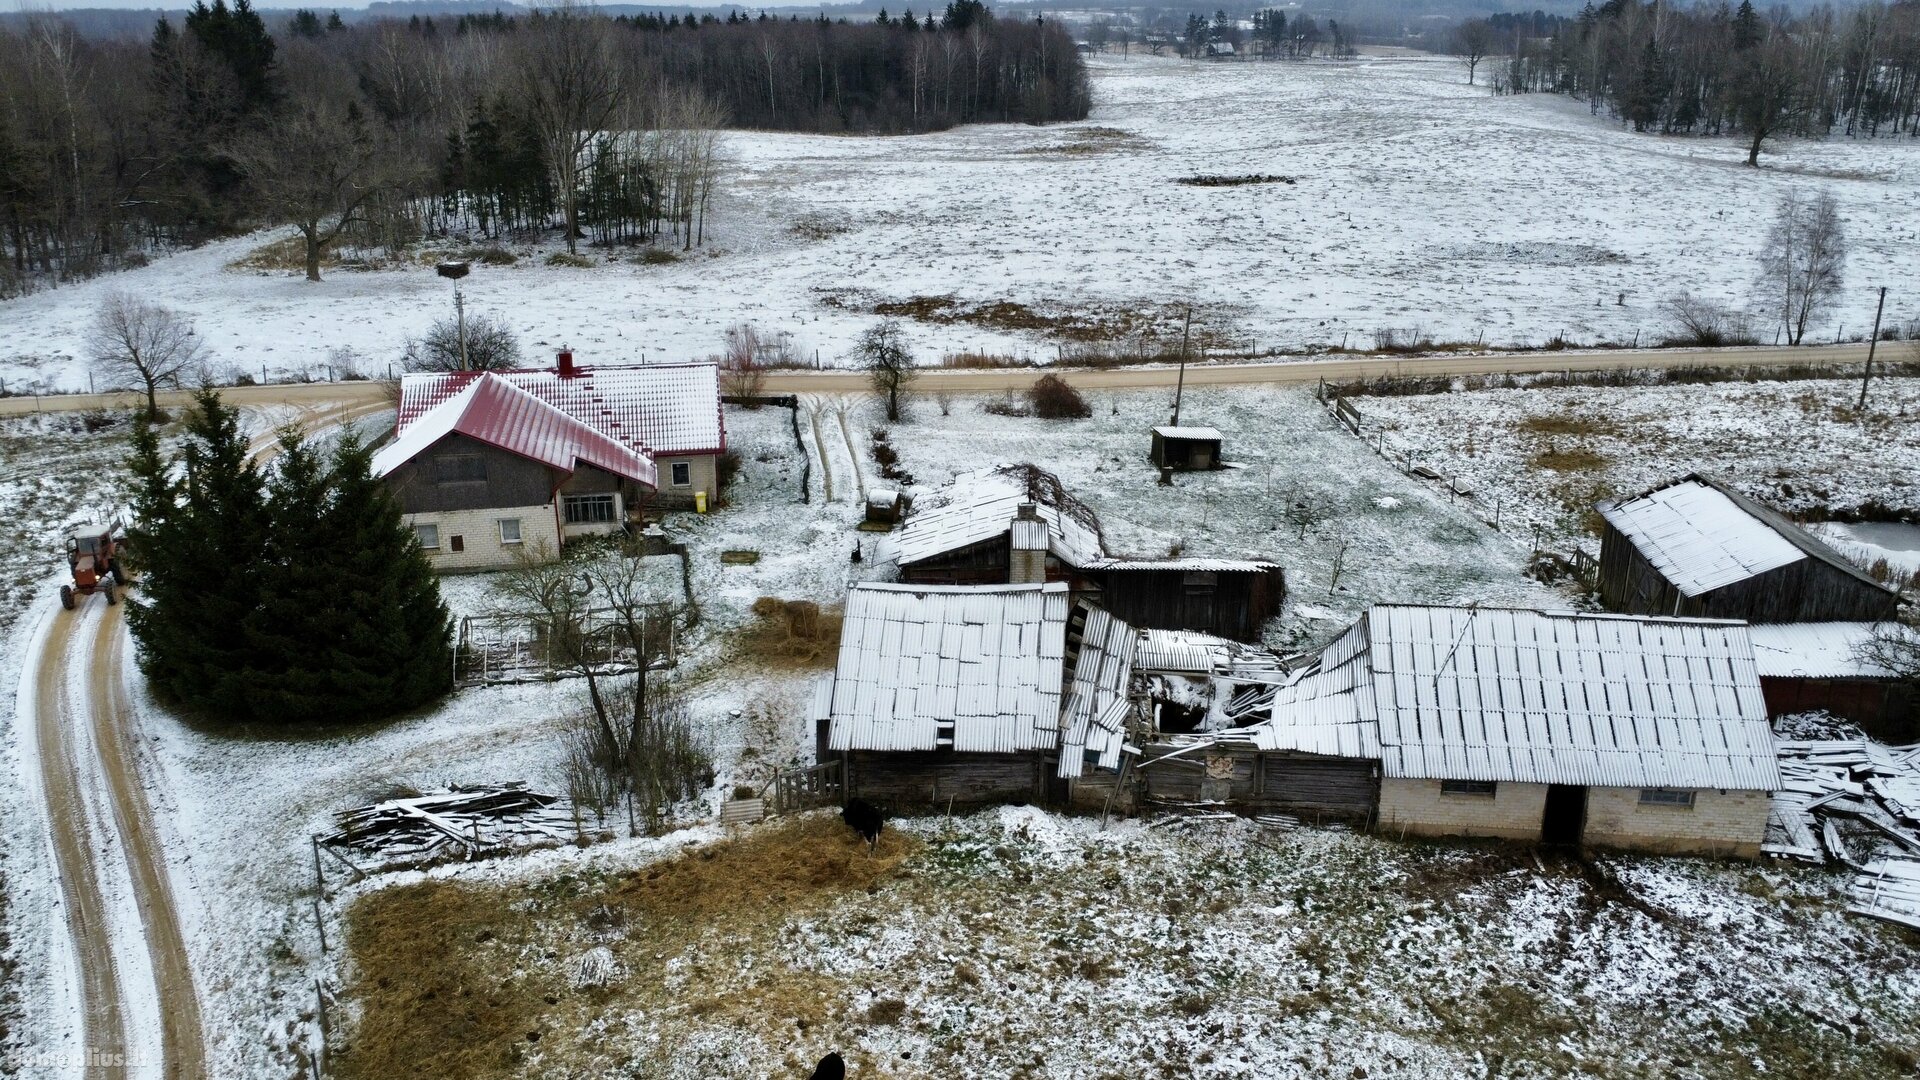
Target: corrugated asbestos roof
(1698,537)
(1537,697)
(1094,720)
(491,410)
(980,507)
(1828,650)
(1230,566)
(923,667)
(665,408)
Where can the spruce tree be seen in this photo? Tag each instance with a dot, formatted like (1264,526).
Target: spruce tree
(293,633)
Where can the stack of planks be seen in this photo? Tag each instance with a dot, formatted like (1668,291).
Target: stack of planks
(458,823)
(1868,787)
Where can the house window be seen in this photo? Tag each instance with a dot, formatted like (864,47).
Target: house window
(1480,789)
(460,469)
(682,474)
(429,536)
(588,509)
(1653,796)
(509,530)
(456,543)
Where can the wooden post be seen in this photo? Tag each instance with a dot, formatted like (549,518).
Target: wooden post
(1180,386)
(1872,343)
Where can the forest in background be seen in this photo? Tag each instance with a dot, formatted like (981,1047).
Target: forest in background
(381,132)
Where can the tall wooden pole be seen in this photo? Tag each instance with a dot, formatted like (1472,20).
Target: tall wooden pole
(1872,343)
(1180,386)
(460,311)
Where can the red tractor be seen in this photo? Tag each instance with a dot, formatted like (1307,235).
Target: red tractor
(96,555)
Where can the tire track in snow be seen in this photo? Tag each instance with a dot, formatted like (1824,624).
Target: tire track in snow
(820,448)
(853,454)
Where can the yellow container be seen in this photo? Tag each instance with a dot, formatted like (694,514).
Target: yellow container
(700,502)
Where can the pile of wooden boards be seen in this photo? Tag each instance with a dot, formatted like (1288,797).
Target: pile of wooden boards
(1825,783)
(458,823)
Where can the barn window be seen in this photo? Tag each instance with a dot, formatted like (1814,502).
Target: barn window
(588,509)
(429,536)
(456,543)
(1653,796)
(682,474)
(460,469)
(509,530)
(1480,789)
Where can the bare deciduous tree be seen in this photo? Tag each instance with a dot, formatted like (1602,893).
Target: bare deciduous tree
(883,352)
(143,342)
(1473,39)
(318,167)
(741,372)
(491,346)
(1699,321)
(1894,647)
(1801,266)
(573,86)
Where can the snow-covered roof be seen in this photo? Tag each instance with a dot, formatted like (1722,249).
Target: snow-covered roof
(1701,536)
(665,408)
(1190,652)
(1094,717)
(1538,697)
(1826,650)
(491,410)
(927,667)
(980,507)
(1197,434)
(1230,566)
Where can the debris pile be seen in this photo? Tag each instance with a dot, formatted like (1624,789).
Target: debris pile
(458,823)
(1857,802)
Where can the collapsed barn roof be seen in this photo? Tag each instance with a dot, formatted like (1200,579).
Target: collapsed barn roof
(981,507)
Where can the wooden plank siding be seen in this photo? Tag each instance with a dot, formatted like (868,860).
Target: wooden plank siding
(1806,590)
(1251,781)
(503,479)
(931,778)
(1884,708)
(1233,604)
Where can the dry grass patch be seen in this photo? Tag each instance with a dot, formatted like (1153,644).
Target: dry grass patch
(1570,424)
(289,254)
(453,979)
(1572,459)
(792,633)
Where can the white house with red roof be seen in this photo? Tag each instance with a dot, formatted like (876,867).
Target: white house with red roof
(493,470)
(668,411)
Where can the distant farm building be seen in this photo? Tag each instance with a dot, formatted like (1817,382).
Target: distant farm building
(1186,448)
(989,529)
(1633,733)
(1825,666)
(670,412)
(493,471)
(1698,548)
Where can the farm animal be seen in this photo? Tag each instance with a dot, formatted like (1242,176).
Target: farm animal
(831,1067)
(864,818)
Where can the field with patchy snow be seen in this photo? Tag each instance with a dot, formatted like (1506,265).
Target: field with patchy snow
(1417,201)
(1545,455)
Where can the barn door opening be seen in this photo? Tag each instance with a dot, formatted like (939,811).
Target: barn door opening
(1565,815)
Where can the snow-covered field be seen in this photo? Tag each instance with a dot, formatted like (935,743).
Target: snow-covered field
(1545,455)
(1418,202)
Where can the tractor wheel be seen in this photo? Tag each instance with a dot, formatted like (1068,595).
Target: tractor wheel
(66,597)
(108,589)
(119,572)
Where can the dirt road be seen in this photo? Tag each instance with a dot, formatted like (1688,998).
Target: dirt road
(1210,374)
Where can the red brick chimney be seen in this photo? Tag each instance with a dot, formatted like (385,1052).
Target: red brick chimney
(564,364)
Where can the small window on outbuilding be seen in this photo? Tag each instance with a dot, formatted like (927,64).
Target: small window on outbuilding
(682,474)
(1666,797)
(509,530)
(1480,789)
(429,536)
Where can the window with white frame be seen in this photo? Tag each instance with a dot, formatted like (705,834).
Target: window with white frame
(1654,796)
(1480,789)
(509,530)
(429,536)
(682,474)
(588,509)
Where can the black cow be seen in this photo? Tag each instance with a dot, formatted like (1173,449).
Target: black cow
(831,1067)
(864,818)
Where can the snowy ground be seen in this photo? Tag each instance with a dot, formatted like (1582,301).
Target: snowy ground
(1545,455)
(1419,202)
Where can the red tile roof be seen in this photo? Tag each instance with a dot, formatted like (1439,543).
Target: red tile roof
(492,410)
(666,408)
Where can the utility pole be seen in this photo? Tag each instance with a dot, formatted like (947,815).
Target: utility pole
(1872,343)
(460,316)
(1180,387)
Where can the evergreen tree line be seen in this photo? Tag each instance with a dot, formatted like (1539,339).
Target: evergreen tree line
(295,598)
(375,132)
(1274,36)
(1715,69)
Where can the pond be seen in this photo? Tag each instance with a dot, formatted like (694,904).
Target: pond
(1895,541)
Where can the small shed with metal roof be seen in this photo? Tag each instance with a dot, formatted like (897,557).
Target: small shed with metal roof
(1185,448)
(1697,547)
(1833,667)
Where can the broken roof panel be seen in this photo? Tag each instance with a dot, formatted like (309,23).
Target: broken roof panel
(998,692)
(1094,721)
(980,507)
(491,410)
(666,408)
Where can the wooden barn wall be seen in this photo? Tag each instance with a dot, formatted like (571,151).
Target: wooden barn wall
(984,563)
(1236,605)
(930,778)
(1882,707)
(1254,781)
(1809,590)
(511,480)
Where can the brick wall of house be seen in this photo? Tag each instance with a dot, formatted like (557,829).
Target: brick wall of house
(1718,822)
(703,475)
(1417,808)
(479,532)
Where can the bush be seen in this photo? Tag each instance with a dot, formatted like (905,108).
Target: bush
(1705,324)
(578,262)
(658,257)
(491,346)
(1053,398)
(1005,405)
(495,255)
